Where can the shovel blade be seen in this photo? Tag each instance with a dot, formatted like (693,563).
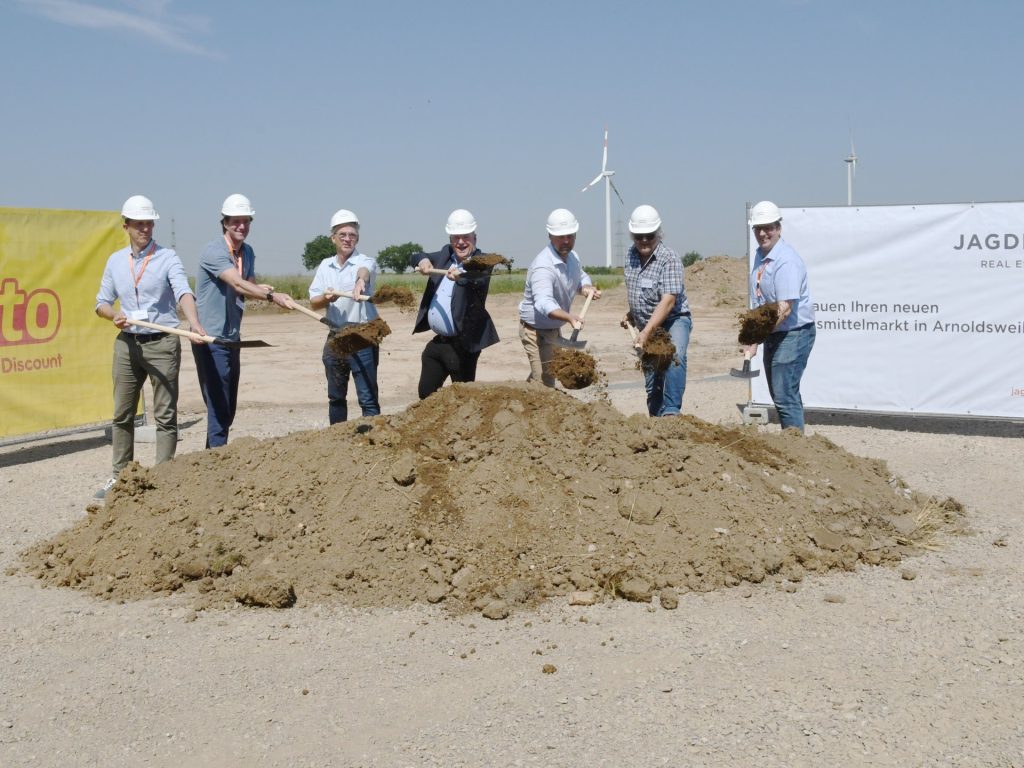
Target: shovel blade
(241,344)
(745,372)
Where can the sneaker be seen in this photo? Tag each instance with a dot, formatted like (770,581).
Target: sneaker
(102,492)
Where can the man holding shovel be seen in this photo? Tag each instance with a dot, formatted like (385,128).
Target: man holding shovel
(555,277)
(453,307)
(338,281)
(656,293)
(227,268)
(150,282)
(779,275)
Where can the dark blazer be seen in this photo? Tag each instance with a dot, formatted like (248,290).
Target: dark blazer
(473,326)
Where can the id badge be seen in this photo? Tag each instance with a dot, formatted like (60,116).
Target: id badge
(647,283)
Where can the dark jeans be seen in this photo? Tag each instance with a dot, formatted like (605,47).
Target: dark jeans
(443,357)
(218,368)
(785,358)
(362,367)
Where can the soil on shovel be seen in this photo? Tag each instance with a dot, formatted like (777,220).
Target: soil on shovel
(659,352)
(484,261)
(399,295)
(757,324)
(353,338)
(574,368)
(490,497)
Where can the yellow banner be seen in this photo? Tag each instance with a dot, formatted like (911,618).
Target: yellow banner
(55,354)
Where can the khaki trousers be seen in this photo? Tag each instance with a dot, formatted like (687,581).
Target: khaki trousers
(540,345)
(134,362)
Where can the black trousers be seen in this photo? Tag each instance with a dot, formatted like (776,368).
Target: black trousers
(444,356)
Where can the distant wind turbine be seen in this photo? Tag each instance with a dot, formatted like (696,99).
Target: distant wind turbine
(851,172)
(608,187)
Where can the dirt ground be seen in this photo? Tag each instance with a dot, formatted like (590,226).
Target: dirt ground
(508,575)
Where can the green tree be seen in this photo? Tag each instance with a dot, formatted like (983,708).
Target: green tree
(317,249)
(396,257)
(691,258)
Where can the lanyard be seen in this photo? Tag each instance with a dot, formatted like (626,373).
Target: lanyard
(238,258)
(760,273)
(145,263)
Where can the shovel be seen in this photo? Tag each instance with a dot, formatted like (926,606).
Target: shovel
(636,335)
(312,314)
(745,372)
(572,342)
(198,337)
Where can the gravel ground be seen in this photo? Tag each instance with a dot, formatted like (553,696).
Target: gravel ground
(916,665)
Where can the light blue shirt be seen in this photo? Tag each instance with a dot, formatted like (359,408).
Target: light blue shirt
(551,284)
(159,290)
(342,277)
(439,313)
(220,307)
(784,279)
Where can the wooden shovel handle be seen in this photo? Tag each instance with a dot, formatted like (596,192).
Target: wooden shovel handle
(305,310)
(586,305)
(176,331)
(350,295)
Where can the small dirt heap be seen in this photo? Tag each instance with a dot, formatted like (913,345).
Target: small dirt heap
(486,496)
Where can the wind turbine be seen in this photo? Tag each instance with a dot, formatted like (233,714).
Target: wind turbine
(851,172)
(608,187)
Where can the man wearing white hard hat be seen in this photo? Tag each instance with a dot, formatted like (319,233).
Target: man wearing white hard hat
(355,273)
(453,307)
(227,268)
(780,275)
(656,294)
(149,282)
(554,279)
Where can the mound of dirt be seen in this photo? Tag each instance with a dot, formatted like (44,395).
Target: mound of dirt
(722,279)
(353,338)
(487,496)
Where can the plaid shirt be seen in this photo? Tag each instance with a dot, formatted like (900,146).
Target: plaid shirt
(645,285)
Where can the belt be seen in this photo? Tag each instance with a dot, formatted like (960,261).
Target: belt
(527,325)
(143,338)
(445,339)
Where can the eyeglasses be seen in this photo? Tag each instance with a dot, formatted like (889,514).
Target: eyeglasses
(645,238)
(347,235)
(764,227)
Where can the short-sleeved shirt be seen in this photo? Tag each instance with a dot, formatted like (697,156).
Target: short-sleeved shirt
(161,284)
(647,283)
(220,307)
(784,278)
(551,284)
(342,277)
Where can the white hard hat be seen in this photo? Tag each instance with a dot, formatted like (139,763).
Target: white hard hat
(139,208)
(764,213)
(343,217)
(237,205)
(460,222)
(562,222)
(644,220)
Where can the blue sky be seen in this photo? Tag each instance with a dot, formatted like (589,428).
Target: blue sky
(403,111)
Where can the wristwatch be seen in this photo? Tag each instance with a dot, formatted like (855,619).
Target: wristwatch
(270,296)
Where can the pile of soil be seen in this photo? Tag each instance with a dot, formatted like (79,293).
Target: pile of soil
(488,496)
(574,369)
(719,280)
(757,324)
(352,338)
(399,295)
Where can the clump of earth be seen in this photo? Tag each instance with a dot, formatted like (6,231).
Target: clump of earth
(757,324)
(574,368)
(399,295)
(484,261)
(490,497)
(353,338)
(659,351)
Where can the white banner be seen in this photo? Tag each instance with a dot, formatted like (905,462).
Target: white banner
(919,308)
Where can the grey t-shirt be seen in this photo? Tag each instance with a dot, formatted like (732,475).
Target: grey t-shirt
(220,307)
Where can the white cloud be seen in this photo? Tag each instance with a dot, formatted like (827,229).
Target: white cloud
(152,19)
